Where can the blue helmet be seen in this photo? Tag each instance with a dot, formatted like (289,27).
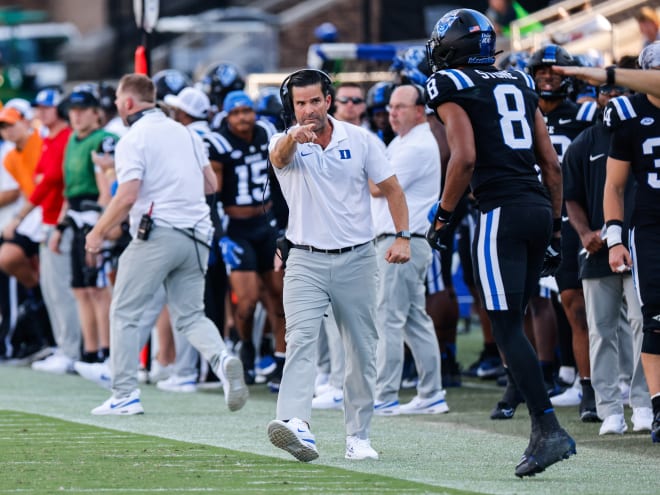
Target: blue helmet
(170,82)
(269,106)
(461,37)
(548,56)
(412,66)
(514,60)
(378,96)
(219,79)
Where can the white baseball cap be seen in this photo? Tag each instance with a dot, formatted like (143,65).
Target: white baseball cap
(193,101)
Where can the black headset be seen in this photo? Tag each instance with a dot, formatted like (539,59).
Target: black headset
(288,114)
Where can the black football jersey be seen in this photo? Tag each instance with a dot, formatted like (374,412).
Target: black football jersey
(635,124)
(501,106)
(567,121)
(245,168)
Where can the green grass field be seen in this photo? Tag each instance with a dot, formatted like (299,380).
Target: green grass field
(190,443)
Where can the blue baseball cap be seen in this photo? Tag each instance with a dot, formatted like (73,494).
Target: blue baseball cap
(236,99)
(49,97)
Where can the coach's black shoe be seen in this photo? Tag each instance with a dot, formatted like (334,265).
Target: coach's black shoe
(655,428)
(548,449)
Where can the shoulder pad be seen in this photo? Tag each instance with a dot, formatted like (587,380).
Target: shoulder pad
(460,79)
(529,80)
(267,126)
(618,110)
(587,111)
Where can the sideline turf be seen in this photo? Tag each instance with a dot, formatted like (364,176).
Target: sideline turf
(47,455)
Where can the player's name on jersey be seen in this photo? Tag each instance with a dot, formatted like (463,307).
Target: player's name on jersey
(502,74)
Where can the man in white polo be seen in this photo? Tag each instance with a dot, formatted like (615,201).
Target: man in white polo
(401,311)
(323,166)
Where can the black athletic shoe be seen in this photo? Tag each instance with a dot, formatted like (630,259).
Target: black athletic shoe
(588,403)
(547,450)
(655,428)
(451,373)
(511,399)
(503,410)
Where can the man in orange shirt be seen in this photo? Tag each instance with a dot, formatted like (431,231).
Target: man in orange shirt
(19,254)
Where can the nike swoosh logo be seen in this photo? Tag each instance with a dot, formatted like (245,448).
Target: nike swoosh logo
(593,158)
(306,154)
(301,431)
(337,400)
(565,121)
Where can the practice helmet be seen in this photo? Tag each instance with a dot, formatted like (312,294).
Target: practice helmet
(548,56)
(219,79)
(170,82)
(461,37)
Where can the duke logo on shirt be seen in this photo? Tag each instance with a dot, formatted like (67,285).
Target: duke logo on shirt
(345,154)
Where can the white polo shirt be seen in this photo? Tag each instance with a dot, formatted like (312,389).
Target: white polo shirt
(416,161)
(327,189)
(168,159)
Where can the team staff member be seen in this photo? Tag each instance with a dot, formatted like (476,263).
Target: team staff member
(604,291)
(634,149)
(401,311)
(323,166)
(90,283)
(54,268)
(163,173)
(516,222)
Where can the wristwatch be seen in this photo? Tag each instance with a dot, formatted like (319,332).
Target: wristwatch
(403,234)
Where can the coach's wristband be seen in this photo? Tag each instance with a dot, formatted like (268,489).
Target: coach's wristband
(613,232)
(556,225)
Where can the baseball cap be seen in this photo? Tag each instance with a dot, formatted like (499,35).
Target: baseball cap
(83,96)
(14,110)
(235,99)
(650,56)
(193,101)
(49,97)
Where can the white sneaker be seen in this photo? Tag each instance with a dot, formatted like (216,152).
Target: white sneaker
(124,406)
(387,408)
(233,381)
(159,372)
(358,449)
(56,363)
(642,418)
(321,383)
(570,397)
(177,383)
(614,424)
(294,437)
(333,398)
(435,404)
(98,373)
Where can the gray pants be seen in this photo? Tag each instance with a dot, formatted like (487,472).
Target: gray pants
(171,259)
(402,316)
(331,345)
(603,298)
(55,281)
(348,281)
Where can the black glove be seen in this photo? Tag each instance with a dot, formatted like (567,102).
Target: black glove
(439,239)
(552,257)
